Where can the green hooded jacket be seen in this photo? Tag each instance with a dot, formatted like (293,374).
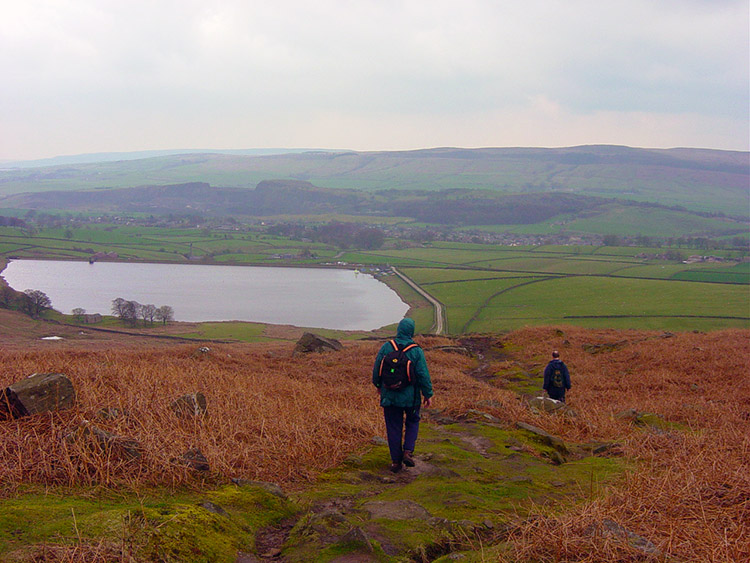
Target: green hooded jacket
(409,396)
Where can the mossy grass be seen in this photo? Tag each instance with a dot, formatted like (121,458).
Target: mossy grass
(158,524)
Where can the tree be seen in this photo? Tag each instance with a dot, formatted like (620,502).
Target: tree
(127,311)
(35,301)
(369,238)
(148,313)
(7,296)
(78,312)
(165,314)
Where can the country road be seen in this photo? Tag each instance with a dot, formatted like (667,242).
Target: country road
(438,307)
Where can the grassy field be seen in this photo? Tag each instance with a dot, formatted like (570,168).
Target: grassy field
(484,288)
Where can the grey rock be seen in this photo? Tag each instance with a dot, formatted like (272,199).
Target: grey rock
(40,392)
(310,342)
(127,448)
(272,488)
(610,528)
(215,508)
(627,414)
(190,405)
(544,437)
(545,404)
(357,536)
(195,459)
(483,416)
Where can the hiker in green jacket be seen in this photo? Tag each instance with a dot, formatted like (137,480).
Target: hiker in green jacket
(401,401)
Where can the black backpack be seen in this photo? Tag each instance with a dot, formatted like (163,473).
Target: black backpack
(396,370)
(557,377)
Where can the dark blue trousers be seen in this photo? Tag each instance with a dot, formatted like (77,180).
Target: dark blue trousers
(401,422)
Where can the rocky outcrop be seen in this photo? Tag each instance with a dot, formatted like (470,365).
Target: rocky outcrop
(40,392)
(539,405)
(310,342)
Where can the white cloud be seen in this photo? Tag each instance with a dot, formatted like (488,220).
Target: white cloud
(370,74)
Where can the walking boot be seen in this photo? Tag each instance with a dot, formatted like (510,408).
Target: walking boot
(395,467)
(408,459)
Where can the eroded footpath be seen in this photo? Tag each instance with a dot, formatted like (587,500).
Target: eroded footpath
(475,481)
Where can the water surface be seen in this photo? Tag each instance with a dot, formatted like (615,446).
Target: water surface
(306,297)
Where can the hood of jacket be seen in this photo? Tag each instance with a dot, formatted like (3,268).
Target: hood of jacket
(405,329)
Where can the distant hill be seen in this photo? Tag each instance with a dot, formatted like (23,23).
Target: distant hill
(456,207)
(132,155)
(697,179)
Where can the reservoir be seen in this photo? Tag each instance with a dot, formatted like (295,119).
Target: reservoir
(304,297)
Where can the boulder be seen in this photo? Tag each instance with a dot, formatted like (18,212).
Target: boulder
(310,342)
(113,444)
(357,536)
(627,414)
(271,488)
(544,437)
(195,459)
(201,352)
(40,392)
(545,404)
(610,528)
(474,414)
(190,405)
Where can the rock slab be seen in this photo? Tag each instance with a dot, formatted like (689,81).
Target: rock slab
(40,392)
(310,342)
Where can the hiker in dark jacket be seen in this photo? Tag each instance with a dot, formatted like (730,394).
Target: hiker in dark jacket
(556,378)
(401,406)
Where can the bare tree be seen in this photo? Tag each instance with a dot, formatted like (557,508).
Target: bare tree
(126,310)
(35,301)
(78,312)
(148,313)
(165,314)
(118,306)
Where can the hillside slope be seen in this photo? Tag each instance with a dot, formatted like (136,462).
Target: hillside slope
(651,465)
(703,180)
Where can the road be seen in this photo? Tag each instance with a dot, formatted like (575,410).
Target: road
(438,307)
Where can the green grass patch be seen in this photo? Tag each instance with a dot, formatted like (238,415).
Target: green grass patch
(739,273)
(649,221)
(623,302)
(160,525)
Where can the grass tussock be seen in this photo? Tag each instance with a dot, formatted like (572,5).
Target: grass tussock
(689,493)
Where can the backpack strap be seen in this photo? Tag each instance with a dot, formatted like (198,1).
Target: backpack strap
(409,368)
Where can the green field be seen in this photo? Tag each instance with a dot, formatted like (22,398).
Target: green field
(621,220)
(484,288)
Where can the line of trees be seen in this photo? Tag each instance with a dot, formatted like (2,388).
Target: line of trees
(33,302)
(130,312)
(343,235)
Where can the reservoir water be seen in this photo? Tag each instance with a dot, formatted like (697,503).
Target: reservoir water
(305,297)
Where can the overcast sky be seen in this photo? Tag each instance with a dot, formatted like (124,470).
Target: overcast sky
(79,76)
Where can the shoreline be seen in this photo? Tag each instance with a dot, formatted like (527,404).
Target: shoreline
(5,261)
